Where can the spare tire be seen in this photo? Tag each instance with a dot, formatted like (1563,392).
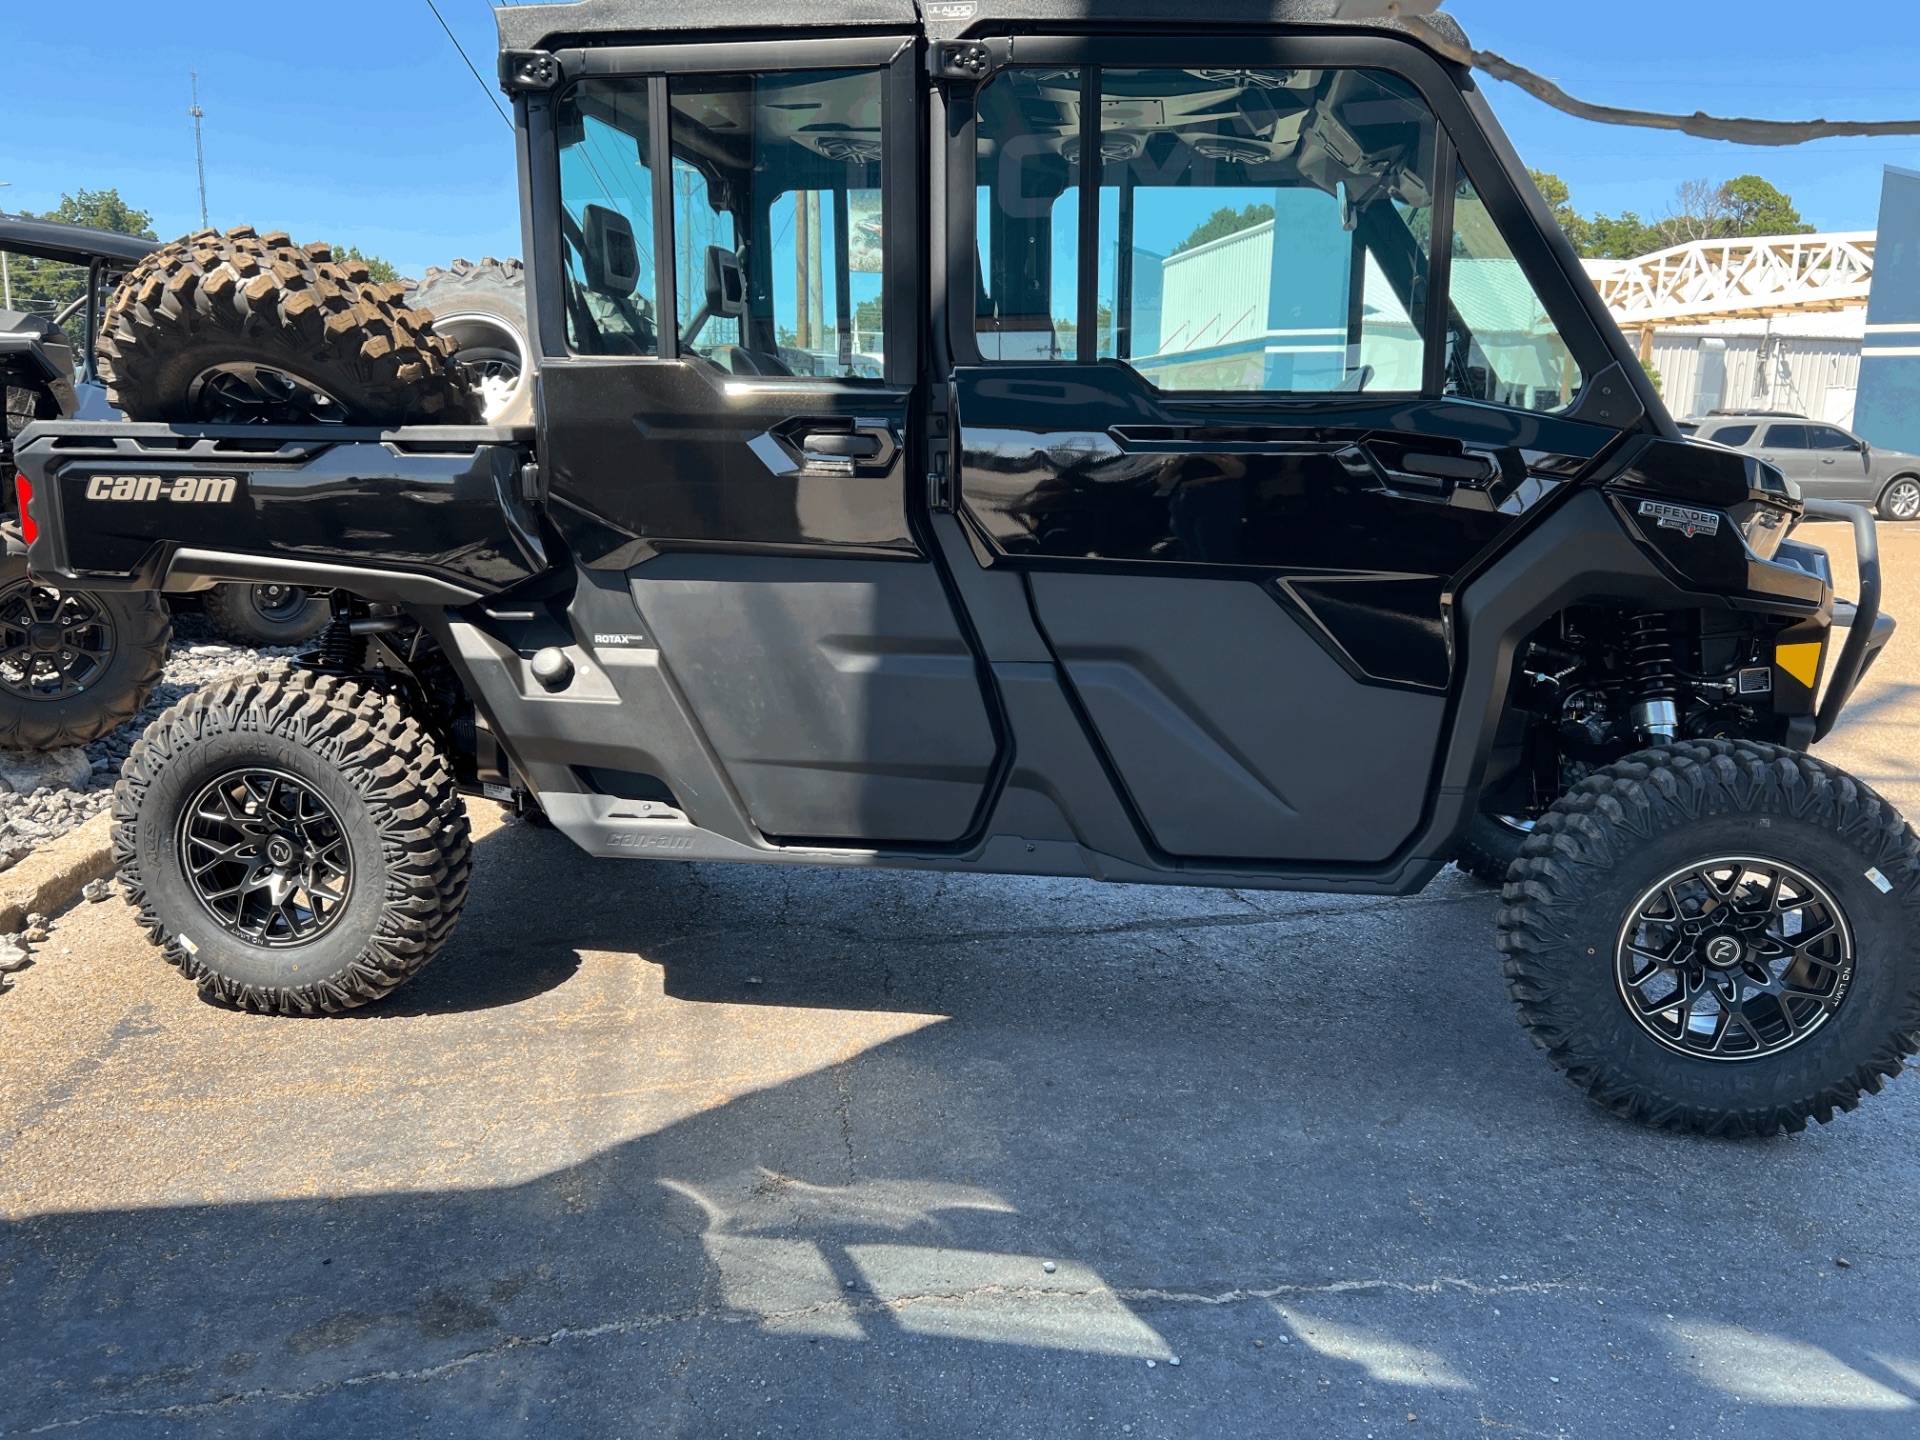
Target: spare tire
(246,328)
(483,309)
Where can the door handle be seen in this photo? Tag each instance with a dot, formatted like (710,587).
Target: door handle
(843,444)
(1468,469)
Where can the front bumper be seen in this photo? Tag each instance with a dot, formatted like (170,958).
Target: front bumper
(1868,631)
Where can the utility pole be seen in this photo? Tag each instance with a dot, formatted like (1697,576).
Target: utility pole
(6,274)
(199,154)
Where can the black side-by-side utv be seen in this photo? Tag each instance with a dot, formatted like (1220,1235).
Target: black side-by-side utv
(1021,438)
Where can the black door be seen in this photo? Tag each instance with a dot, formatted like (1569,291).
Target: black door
(1242,424)
(729,412)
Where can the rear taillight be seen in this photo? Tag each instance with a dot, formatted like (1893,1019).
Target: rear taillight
(23,487)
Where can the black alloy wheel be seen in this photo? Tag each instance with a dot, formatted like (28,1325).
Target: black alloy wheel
(280,603)
(54,644)
(243,393)
(1735,958)
(266,858)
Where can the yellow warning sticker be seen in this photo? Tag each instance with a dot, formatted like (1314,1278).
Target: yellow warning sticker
(1802,662)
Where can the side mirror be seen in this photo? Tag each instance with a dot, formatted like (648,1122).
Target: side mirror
(612,258)
(1865,448)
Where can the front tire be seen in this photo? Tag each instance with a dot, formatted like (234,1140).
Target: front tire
(1720,937)
(1901,499)
(293,842)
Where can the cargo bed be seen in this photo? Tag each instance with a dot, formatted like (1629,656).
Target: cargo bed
(450,511)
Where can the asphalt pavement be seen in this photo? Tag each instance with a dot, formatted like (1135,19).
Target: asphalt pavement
(659,1149)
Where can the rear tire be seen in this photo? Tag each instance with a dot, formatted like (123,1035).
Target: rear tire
(1901,499)
(1580,933)
(293,842)
(85,678)
(264,615)
(1489,848)
(244,328)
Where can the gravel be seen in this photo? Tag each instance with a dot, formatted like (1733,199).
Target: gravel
(199,657)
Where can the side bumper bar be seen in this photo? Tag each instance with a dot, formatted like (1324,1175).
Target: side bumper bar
(1865,636)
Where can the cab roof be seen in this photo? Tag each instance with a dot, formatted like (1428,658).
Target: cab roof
(586,22)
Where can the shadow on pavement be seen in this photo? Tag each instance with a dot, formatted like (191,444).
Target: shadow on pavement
(1295,1142)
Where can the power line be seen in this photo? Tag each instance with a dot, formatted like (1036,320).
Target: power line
(463,55)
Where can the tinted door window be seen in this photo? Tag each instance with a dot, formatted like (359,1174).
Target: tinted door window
(1502,345)
(606,196)
(1829,437)
(1733,435)
(1786,437)
(1262,230)
(788,186)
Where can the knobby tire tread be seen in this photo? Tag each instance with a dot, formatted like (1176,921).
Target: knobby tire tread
(1601,820)
(210,297)
(426,844)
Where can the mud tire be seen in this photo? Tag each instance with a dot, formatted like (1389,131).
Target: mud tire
(238,612)
(242,299)
(388,786)
(1623,828)
(483,308)
(1488,849)
(141,632)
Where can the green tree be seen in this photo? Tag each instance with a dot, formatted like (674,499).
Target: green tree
(1757,207)
(1702,210)
(380,270)
(44,287)
(1224,222)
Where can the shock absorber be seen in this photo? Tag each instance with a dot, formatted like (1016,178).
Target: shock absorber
(339,650)
(1655,687)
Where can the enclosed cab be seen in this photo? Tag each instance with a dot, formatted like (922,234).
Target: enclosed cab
(1006,438)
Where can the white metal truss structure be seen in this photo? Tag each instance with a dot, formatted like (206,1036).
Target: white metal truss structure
(1738,279)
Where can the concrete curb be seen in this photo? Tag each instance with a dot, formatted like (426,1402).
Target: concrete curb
(50,879)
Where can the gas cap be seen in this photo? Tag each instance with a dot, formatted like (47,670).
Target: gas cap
(552,668)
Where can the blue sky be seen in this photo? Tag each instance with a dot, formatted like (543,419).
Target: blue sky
(357,122)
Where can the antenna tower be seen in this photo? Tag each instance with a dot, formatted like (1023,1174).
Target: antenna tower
(199,154)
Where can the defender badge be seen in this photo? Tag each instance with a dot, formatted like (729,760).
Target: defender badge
(1685,519)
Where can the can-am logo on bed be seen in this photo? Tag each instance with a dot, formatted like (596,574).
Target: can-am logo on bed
(189,489)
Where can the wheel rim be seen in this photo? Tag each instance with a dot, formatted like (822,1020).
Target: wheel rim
(246,394)
(491,357)
(266,858)
(279,602)
(1734,958)
(1903,500)
(53,643)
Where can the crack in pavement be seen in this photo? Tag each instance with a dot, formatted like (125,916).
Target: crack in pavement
(863,1305)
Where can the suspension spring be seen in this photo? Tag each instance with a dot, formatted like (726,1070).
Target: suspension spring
(1650,671)
(340,650)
